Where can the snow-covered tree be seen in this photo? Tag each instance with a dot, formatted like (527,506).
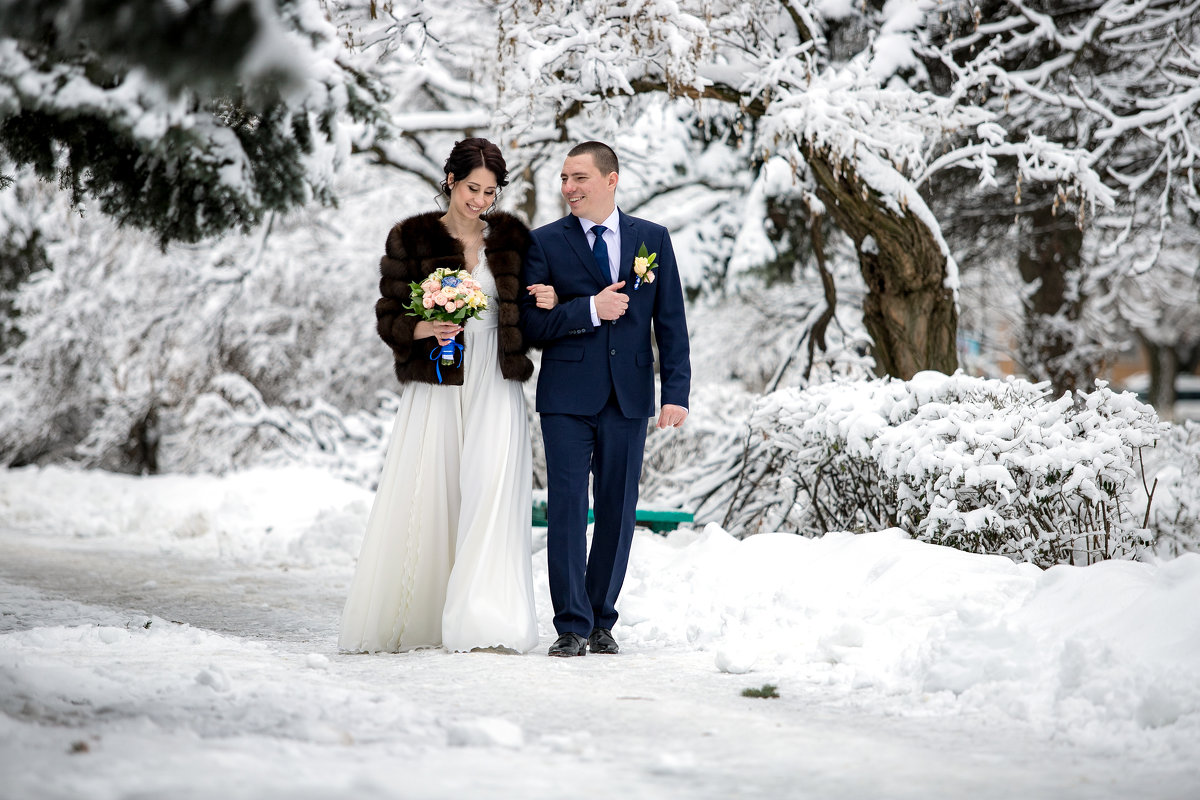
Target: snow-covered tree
(823,141)
(1161,304)
(186,118)
(130,356)
(835,89)
(1118,81)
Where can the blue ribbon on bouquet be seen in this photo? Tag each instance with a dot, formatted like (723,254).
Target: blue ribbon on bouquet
(446,351)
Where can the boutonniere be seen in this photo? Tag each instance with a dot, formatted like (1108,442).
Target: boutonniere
(644,266)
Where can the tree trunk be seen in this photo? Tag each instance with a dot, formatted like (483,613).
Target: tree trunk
(1164,368)
(817,334)
(1051,347)
(528,202)
(908,310)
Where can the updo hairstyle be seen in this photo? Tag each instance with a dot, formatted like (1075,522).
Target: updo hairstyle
(470,154)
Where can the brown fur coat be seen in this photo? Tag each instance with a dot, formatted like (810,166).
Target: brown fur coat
(419,245)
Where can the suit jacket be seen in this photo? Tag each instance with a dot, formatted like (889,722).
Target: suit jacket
(416,247)
(583,364)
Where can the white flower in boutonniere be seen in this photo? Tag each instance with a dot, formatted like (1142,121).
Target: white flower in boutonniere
(644,266)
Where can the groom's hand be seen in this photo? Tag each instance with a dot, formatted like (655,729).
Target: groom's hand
(670,416)
(610,303)
(544,295)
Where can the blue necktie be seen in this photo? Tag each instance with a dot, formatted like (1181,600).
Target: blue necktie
(600,251)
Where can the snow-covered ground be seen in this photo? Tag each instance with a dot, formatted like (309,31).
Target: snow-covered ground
(176,637)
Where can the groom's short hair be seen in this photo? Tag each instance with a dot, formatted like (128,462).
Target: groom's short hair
(602,154)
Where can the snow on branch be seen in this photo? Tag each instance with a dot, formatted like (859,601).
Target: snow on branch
(1093,92)
(264,127)
(560,57)
(770,61)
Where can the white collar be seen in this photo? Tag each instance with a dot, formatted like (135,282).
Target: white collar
(610,223)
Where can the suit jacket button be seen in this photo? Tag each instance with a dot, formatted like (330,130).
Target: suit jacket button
(612,352)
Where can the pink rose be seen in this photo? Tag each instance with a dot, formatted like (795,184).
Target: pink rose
(452,306)
(440,299)
(427,302)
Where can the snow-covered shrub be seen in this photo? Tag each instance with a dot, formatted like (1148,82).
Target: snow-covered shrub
(982,465)
(758,337)
(1175,507)
(231,427)
(741,344)
(114,338)
(120,339)
(694,467)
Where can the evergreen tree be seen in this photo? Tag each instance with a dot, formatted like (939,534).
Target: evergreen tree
(185,118)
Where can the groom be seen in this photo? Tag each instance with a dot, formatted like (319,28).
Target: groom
(596,387)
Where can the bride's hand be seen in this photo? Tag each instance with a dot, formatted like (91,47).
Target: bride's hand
(545,295)
(444,331)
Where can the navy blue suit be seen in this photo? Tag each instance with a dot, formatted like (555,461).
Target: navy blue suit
(594,394)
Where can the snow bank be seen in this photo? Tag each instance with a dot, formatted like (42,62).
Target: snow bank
(285,516)
(162,691)
(1106,655)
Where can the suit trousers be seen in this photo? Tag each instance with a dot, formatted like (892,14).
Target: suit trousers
(609,446)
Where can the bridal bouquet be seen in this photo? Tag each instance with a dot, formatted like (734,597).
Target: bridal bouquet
(447,295)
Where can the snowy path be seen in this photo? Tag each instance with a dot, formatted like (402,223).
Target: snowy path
(248,698)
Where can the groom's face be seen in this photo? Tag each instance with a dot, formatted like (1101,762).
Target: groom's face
(589,194)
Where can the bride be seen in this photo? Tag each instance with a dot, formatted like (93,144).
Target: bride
(445,560)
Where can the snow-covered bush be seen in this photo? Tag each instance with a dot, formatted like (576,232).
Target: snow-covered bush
(1175,508)
(741,345)
(120,339)
(982,465)
(116,347)
(695,467)
(233,427)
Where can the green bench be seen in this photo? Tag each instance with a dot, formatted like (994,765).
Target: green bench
(659,521)
(662,521)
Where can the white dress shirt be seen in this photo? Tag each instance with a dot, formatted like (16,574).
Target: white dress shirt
(612,238)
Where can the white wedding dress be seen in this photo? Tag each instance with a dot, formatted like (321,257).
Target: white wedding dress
(446,556)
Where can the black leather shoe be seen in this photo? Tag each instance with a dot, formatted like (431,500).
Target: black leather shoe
(569,644)
(602,641)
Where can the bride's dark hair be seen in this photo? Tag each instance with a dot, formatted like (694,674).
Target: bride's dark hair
(471,154)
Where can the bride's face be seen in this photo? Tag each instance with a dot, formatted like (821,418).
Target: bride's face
(474,194)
